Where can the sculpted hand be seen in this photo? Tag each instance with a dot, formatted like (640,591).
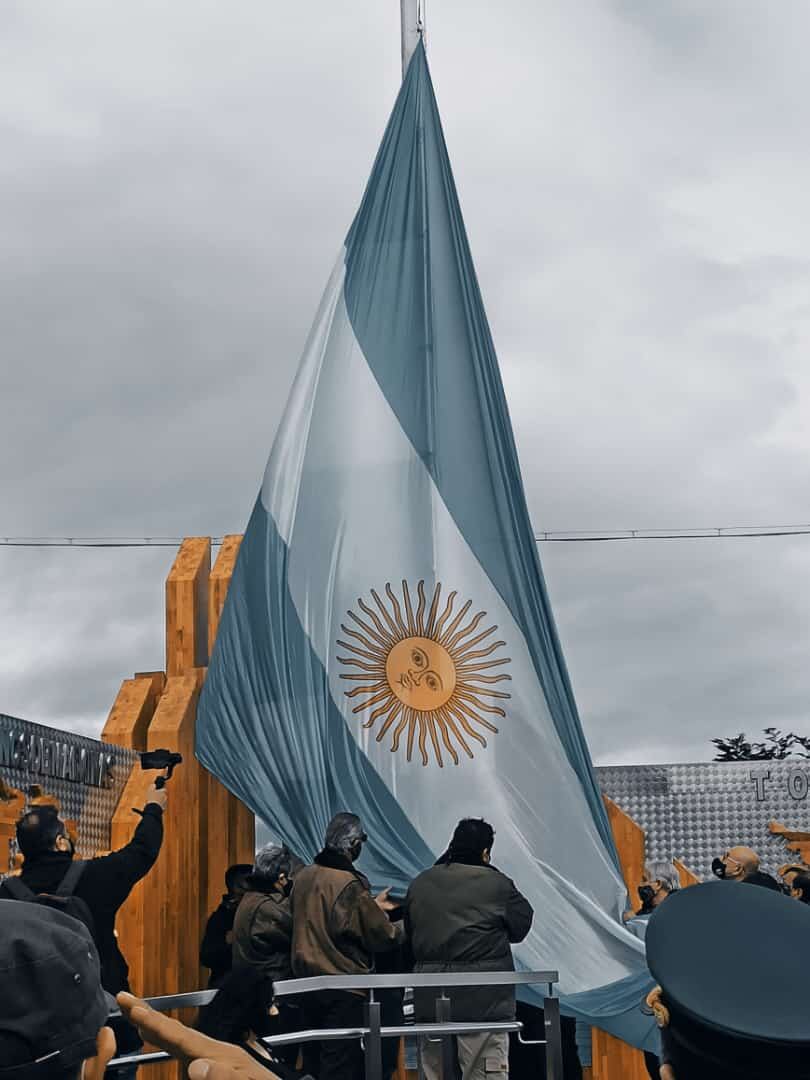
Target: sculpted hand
(203,1058)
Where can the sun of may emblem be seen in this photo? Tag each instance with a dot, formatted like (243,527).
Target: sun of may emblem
(428,676)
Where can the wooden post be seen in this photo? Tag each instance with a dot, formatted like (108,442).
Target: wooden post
(685,875)
(206,828)
(187,607)
(133,710)
(241,826)
(171,893)
(629,839)
(219,582)
(127,725)
(611,1058)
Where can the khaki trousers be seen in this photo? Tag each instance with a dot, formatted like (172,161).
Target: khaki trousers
(479,1056)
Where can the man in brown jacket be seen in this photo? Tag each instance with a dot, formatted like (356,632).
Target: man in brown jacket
(337,927)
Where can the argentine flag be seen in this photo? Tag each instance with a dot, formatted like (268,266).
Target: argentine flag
(387,644)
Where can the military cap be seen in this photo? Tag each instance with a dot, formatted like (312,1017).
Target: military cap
(733,964)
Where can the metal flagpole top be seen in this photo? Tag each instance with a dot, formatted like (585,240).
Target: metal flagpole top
(413,28)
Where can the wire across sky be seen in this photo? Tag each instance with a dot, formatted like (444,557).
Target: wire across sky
(578,536)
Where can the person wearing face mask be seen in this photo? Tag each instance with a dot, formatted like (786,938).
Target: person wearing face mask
(338,926)
(741,864)
(262,934)
(660,881)
(101,886)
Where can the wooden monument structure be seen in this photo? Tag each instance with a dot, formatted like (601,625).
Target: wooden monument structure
(206,828)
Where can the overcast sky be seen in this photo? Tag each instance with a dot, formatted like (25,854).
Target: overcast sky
(175,181)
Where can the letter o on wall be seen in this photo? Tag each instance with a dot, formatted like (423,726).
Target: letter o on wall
(798,784)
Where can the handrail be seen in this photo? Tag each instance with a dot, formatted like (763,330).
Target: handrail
(441,979)
(372,1034)
(444,980)
(397,1031)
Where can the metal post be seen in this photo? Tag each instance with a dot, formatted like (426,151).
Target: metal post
(373,1041)
(554,1063)
(443,1017)
(412,21)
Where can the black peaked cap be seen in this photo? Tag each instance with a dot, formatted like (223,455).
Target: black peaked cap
(733,964)
(51,1001)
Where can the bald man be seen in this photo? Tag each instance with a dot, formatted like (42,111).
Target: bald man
(742,864)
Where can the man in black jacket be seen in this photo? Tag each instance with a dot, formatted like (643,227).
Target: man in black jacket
(217,943)
(463,915)
(104,885)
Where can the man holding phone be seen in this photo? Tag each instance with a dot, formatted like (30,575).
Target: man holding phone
(100,885)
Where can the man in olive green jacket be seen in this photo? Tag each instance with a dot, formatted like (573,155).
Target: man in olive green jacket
(464,915)
(338,926)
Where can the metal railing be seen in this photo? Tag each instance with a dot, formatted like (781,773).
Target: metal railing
(372,1032)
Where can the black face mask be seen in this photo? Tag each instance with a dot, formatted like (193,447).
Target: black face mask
(718,868)
(646,894)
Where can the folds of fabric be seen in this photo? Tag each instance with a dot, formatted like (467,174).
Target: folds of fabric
(387,645)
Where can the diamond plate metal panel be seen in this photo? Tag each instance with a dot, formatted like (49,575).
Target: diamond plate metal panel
(87,776)
(694,812)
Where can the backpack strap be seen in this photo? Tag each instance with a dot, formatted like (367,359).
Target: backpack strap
(17,889)
(71,879)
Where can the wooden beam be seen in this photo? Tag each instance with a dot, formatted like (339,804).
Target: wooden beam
(171,891)
(687,877)
(131,924)
(241,825)
(796,840)
(133,709)
(629,839)
(219,582)
(187,607)
(610,1057)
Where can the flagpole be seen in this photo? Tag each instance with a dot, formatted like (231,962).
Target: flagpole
(412,14)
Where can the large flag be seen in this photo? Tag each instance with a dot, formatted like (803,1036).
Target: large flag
(387,645)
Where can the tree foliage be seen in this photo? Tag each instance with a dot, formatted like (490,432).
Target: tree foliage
(774,747)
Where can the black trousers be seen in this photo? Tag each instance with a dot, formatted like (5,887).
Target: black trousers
(529,1062)
(342,1059)
(337,1059)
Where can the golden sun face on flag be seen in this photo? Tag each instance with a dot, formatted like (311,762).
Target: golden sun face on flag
(428,678)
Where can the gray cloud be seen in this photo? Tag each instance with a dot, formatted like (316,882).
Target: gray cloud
(176,181)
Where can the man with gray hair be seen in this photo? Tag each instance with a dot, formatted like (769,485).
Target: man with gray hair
(262,929)
(661,879)
(338,926)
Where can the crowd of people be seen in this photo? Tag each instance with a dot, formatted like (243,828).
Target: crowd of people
(66,1009)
